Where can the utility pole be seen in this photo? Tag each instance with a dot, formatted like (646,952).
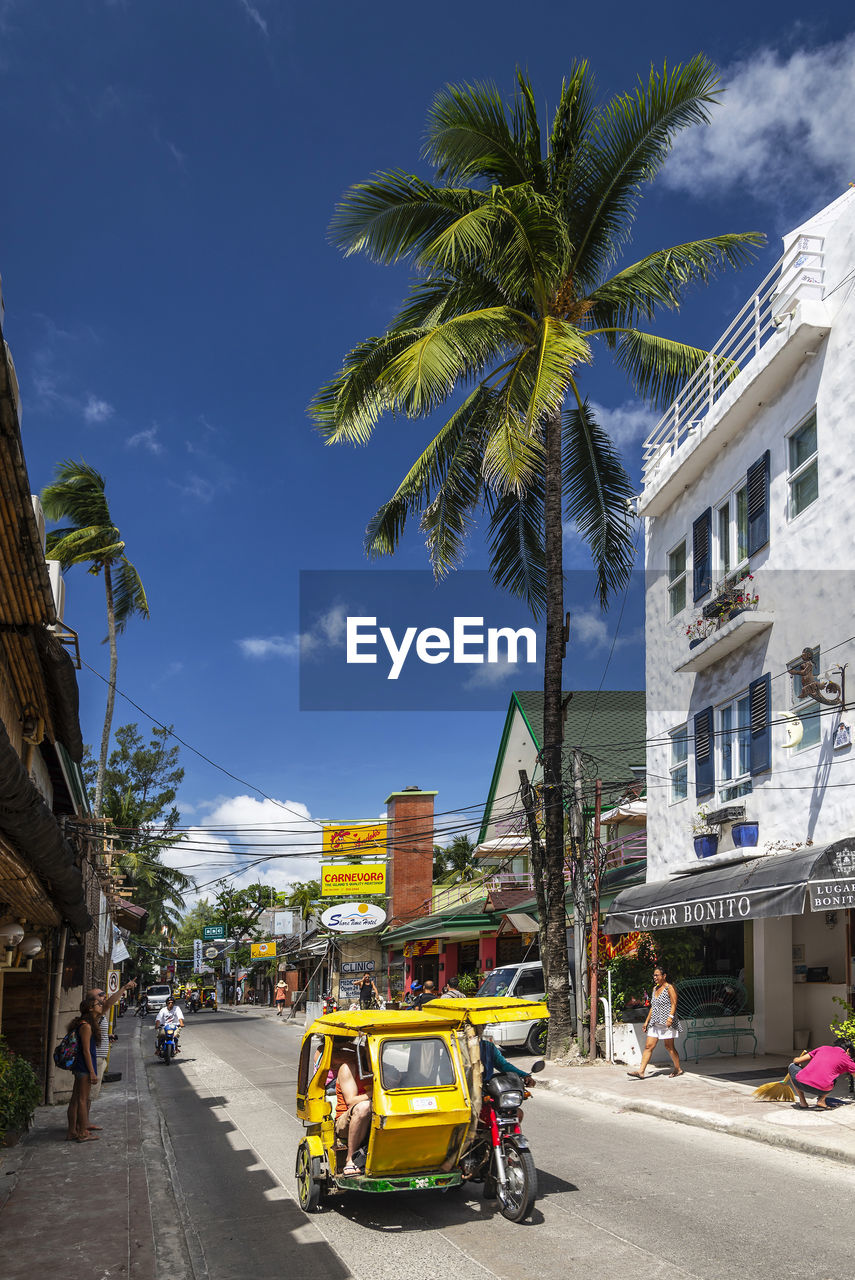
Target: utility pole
(595,917)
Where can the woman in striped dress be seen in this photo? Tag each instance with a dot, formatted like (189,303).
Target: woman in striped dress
(661,1023)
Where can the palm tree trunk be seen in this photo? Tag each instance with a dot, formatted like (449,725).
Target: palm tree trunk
(554,936)
(111,690)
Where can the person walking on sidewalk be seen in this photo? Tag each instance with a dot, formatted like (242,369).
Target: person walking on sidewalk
(279,996)
(816,1070)
(661,1023)
(85,1069)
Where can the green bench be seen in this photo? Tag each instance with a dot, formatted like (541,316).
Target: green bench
(714,1008)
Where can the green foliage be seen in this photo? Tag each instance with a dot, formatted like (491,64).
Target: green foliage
(468,983)
(19,1091)
(632,976)
(305,897)
(456,862)
(844,1028)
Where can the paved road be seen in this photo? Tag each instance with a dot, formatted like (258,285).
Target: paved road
(620,1194)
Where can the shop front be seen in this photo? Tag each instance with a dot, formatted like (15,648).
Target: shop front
(789,918)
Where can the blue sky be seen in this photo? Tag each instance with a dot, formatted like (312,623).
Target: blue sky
(173,301)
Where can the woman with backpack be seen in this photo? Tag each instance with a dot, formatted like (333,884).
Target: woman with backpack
(85,1068)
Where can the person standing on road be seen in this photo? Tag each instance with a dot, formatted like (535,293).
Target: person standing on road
(279,996)
(368,993)
(816,1070)
(107,1003)
(428,994)
(661,1023)
(85,1068)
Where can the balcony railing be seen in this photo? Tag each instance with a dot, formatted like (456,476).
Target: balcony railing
(797,275)
(616,853)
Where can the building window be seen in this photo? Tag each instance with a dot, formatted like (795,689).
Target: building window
(731,531)
(677,580)
(806,709)
(803,477)
(733,748)
(679,766)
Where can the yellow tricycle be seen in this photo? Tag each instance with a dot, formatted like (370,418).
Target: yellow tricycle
(426,1097)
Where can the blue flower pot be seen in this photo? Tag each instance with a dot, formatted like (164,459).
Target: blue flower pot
(706,846)
(745,834)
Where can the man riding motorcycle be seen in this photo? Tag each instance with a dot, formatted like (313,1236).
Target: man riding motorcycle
(169,1016)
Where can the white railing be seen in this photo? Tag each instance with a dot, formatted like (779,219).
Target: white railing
(797,275)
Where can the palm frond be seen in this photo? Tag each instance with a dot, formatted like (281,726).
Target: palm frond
(661,279)
(442,295)
(77,494)
(451,459)
(395,215)
(129,596)
(348,407)
(571,125)
(659,367)
(470,137)
(597,497)
(560,347)
(513,456)
(98,545)
(517,558)
(629,144)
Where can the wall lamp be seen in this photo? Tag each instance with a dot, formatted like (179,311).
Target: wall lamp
(15,938)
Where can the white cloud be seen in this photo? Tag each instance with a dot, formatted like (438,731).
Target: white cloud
(147,440)
(327,632)
(207,854)
(491,674)
(96,410)
(782,119)
(592,629)
(251,11)
(626,423)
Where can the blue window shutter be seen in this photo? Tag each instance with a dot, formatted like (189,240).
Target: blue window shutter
(704,754)
(702,554)
(757,482)
(760,710)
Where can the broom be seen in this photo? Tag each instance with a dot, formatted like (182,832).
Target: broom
(776,1091)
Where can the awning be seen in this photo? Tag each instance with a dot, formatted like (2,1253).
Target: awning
(771,885)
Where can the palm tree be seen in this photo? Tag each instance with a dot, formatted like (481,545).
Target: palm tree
(77,495)
(513,246)
(305,895)
(459,863)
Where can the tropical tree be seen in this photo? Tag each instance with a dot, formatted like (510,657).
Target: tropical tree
(456,860)
(90,537)
(514,244)
(305,897)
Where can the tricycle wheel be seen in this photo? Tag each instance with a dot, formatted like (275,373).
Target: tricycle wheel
(310,1190)
(520,1191)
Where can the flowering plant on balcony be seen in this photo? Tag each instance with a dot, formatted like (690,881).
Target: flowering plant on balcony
(700,627)
(732,595)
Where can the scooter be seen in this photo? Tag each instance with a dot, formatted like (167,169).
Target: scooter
(330,1005)
(500,1156)
(168,1046)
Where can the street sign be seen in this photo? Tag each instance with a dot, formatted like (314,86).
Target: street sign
(353,917)
(212,932)
(197,954)
(261,950)
(113,982)
(211,953)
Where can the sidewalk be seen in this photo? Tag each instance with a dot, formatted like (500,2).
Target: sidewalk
(86,1211)
(705,1098)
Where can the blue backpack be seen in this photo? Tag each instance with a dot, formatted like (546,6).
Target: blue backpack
(65,1053)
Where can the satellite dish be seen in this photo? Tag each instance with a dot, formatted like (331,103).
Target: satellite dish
(795,729)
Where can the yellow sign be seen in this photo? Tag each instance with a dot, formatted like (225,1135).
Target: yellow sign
(429,947)
(356,838)
(354,880)
(262,950)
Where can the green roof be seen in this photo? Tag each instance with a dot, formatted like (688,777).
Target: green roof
(609,725)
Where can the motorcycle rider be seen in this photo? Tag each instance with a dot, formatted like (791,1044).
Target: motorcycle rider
(194,1000)
(493,1062)
(169,1016)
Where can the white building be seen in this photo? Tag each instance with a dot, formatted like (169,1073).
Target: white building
(747,502)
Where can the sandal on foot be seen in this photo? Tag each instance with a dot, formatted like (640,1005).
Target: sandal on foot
(350,1170)
(676,1073)
(634,1075)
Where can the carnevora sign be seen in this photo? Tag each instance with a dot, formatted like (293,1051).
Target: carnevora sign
(358,880)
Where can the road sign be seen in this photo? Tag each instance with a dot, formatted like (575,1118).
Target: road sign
(210,932)
(211,953)
(113,982)
(197,954)
(260,950)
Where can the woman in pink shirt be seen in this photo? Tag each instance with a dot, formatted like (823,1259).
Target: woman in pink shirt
(824,1065)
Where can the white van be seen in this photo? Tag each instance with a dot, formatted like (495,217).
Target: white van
(523,982)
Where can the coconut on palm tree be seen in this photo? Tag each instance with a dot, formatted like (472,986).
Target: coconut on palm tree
(514,245)
(90,537)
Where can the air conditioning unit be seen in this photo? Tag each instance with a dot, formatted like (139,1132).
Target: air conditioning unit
(38,512)
(57,586)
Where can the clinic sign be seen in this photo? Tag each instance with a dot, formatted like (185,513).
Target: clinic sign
(358,880)
(354,839)
(353,917)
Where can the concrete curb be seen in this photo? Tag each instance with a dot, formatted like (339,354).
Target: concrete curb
(789,1139)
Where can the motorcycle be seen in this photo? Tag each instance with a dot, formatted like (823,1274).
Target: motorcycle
(141,1010)
(500,1156)
(168,1046)
(330,1004)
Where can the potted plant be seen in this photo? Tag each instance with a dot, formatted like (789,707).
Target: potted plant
(19,1095)
(745,834)
(706,837)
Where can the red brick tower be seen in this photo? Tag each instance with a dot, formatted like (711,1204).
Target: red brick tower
(409,815)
